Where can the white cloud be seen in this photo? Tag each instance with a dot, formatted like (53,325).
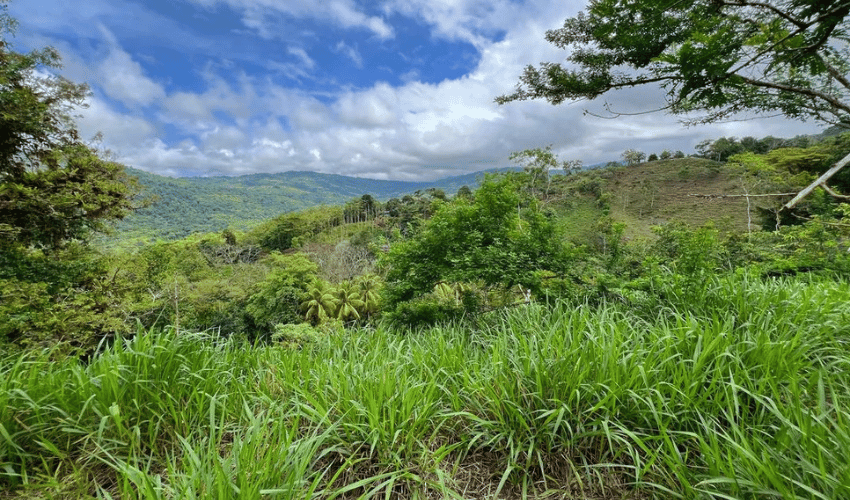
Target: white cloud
(412,130)
(123,79)
(301,54)
(377,107)
(351,52)
(342,13)
(474,21)
(122,132)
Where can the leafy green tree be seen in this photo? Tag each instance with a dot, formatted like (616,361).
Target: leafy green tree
(499,238)
(464,192)
(571,166)
(54,191)
(348,302)
(53,187)
(537,163)
(370,288)
(278,299)
(720,149)
(716,56)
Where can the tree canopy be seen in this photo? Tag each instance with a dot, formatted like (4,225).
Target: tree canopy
(500,237)
(53,186)
(719,57)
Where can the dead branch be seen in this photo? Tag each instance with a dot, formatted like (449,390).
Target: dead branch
(833,193)
(740,195)
(820,180)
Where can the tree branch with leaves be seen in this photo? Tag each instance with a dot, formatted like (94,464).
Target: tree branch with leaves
(714,58)
(718,57)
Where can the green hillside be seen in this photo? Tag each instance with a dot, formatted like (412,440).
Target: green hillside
(182,206)
(641,196)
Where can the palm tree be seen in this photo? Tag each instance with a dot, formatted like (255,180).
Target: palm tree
(348,302)
(320,304)
(370,285)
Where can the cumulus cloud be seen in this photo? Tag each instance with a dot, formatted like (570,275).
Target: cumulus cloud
(122,132)
(242,122)
(123,79)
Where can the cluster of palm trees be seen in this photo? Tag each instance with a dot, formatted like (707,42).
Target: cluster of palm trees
(349,301)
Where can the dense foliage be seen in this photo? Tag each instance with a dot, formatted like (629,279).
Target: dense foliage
(55,190)
(718,57)
(182,206)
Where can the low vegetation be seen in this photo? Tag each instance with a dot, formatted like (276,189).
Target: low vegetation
(742,394)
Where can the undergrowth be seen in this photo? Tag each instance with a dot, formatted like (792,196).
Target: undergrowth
(744,393)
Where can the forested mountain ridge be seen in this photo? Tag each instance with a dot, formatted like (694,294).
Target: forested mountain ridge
(655,193)
(181,206)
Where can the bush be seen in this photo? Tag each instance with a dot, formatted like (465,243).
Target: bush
(446,303)
(292,335)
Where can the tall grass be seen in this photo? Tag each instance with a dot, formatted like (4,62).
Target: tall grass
(744,393)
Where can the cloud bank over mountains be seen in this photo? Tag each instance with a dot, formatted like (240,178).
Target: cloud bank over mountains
(393,89)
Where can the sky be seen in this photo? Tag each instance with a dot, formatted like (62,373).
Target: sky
(383,89)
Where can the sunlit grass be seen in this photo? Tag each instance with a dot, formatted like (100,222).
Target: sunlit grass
(744,394)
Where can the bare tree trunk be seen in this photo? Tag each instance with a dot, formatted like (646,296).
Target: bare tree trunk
(820,180)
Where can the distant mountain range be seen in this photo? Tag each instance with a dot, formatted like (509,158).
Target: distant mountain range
(203,204)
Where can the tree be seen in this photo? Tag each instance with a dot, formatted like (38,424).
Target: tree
(54,191)
(53,187)
(537,163)
(716,56)
(720,149)
(464,192)
(633,156)
(277,300)
(348,302)
(320,304)
(370,286)
(571,166)
(499,238)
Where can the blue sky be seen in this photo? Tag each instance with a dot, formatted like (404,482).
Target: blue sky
(387,89)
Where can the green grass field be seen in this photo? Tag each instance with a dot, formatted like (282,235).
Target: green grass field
(743,395)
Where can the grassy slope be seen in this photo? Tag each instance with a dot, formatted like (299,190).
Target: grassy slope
(659,192)
(651,194)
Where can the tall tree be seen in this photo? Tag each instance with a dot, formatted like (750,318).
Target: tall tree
(717,56)
(537,163)
(53,187)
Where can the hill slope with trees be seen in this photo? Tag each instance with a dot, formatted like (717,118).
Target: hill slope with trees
(182,206)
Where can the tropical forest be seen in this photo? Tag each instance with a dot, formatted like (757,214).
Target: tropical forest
(670,324)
